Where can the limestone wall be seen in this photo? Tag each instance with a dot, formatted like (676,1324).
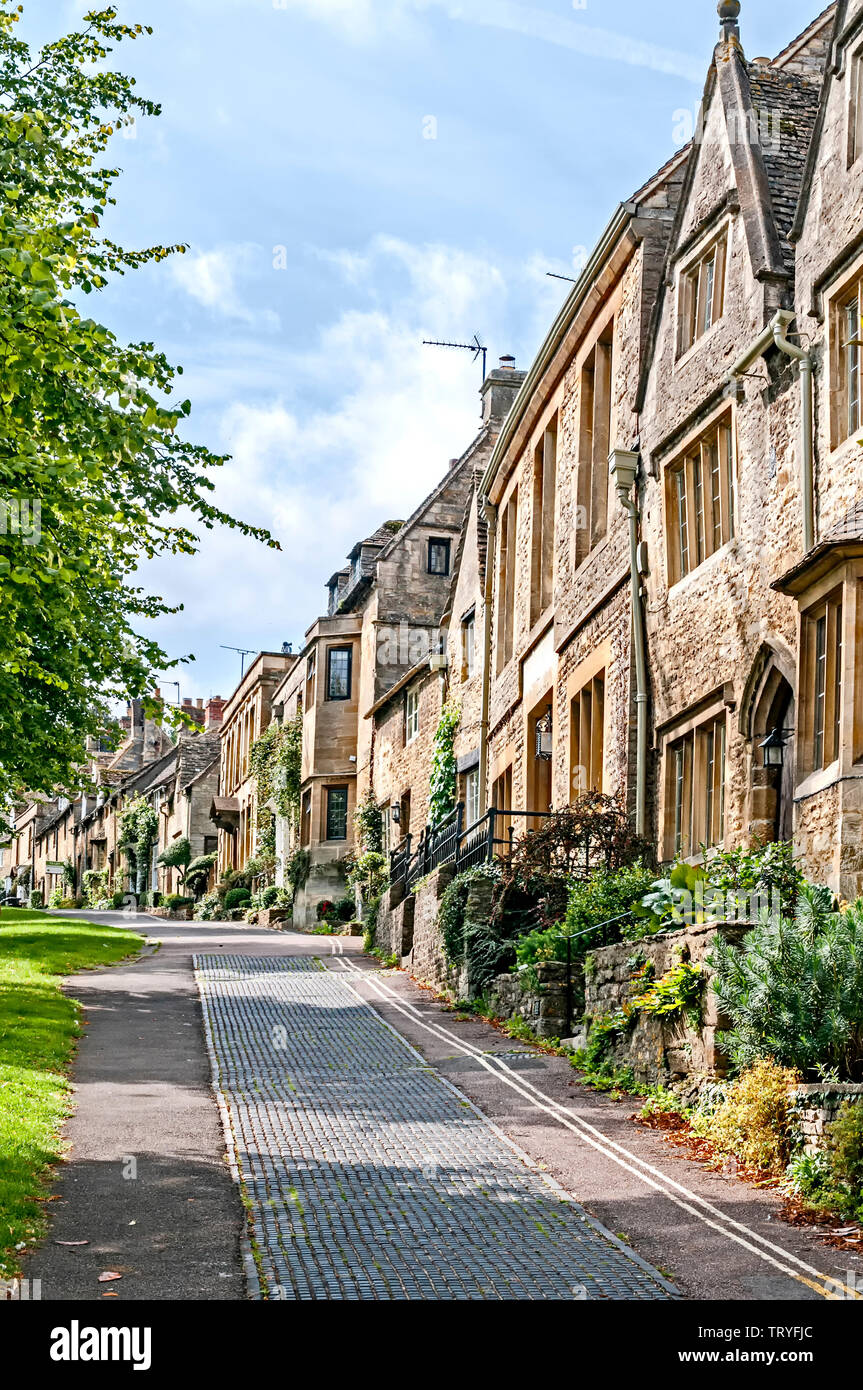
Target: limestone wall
(657,1051)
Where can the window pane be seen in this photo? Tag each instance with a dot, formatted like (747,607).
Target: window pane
(339,673)
(471,789)
(682,520)
(678,798)
(710,272)
(820,688)
(337,813)
(852,364)
(438,557)
(694,468)
(837,682)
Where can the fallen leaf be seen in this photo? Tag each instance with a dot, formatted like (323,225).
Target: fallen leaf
(110,1293)
(71,1242)
(108,1276)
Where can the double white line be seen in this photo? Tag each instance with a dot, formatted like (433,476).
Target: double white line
(681,1196)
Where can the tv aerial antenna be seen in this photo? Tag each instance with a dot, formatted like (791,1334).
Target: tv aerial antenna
(243,652)
(475,347)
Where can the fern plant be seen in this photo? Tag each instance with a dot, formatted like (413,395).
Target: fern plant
(794,989)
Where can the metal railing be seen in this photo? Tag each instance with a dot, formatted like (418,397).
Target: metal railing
(452,842)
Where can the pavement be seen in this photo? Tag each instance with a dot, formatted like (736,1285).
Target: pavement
(386,1149)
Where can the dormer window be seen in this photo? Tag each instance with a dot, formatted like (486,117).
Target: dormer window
(701,299)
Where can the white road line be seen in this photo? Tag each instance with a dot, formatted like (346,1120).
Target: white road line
(825,1286)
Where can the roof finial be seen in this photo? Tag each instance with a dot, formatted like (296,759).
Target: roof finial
(729,11)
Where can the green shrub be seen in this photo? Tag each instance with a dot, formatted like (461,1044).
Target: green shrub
(56,898)
(36,899)
(607,895)
(756,1120)
(237,897)
(678,992)
(270,896)
(794,989)
(209,908)
(345,909)
(761,871)
(175,901)
(118,900)
(298,868)
(845,1149)
(484,947)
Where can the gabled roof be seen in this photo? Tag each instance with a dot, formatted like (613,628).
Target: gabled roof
(416,516)
(771,115)
(840,12)
(789,107)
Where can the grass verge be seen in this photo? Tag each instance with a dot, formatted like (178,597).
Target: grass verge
(39,1026)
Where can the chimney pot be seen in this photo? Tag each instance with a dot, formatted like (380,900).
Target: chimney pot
(507,362)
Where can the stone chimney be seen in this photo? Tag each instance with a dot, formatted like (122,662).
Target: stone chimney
(215,710)
(499,390)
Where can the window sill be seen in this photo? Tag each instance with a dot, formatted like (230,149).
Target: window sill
(685,357)
(729,548)
(818,781)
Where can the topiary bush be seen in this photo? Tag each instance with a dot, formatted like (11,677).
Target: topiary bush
(36,899)
(237,897)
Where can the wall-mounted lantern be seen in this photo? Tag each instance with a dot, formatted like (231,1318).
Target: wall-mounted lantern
(774,745)
(545,737)
(396,812)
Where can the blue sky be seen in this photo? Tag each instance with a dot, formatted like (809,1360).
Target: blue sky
(329,234)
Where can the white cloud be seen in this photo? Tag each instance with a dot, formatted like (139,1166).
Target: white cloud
(365,19)
(212,278)
(360,429)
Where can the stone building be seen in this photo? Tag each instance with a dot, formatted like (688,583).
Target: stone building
(65,837)
(557,646)
(244,717)
(750,484)
(687,442)
(423,629)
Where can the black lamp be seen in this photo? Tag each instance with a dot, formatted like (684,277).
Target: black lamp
(396,812)
(544,737)
(773,747)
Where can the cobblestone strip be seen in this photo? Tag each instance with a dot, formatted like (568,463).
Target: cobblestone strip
(366,1174)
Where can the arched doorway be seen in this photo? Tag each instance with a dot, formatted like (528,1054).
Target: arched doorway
(769,706)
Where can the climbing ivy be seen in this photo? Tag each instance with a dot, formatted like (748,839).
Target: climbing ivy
(443,781)
(139,832)
(275,761)
(369,825)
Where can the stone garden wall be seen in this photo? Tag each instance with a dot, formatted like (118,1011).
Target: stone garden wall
(544,1009)
(658,1051)
(818,1105)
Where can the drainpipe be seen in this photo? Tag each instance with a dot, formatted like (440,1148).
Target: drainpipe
(623,466)
(775,334)
(489,511)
